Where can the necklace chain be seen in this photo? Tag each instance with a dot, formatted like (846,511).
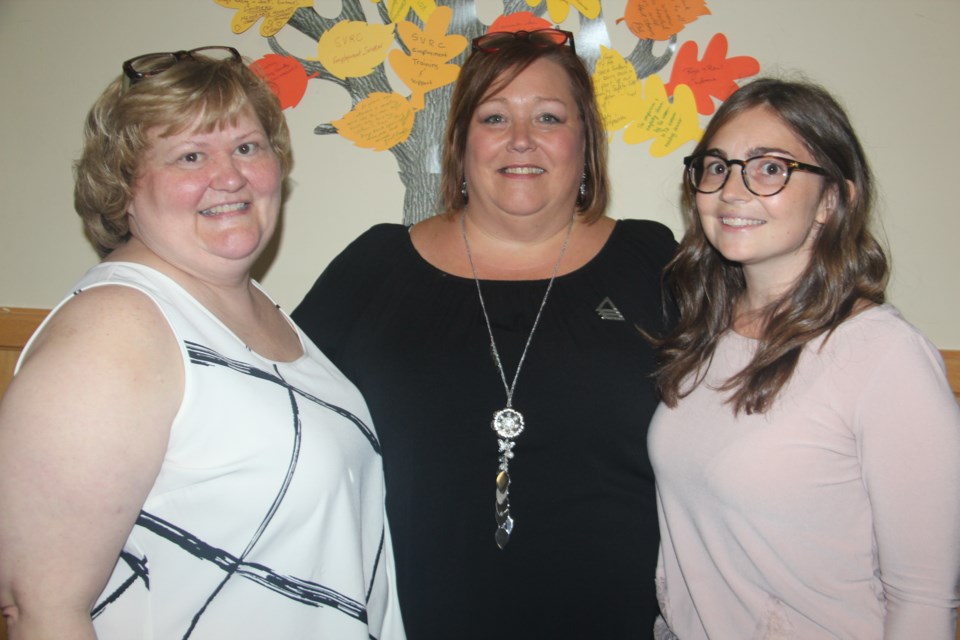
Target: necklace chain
(507,422)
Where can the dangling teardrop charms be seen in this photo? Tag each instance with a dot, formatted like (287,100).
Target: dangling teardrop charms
(504,521)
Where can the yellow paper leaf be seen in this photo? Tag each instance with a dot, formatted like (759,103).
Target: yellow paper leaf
(559,9)
(275,14)
(590,9)
(426,68)
(669,125)
(617,88)
(378,122)
(352,48)
(397,10)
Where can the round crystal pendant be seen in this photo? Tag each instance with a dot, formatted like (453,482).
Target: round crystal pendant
(508,423)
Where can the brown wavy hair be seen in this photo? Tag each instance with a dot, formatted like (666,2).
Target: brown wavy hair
(486,73)
(117,126)
(848,266)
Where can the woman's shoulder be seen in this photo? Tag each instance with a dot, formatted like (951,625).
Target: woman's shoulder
(646,228)
(380,236)
(645,238)
(880,322)
(888,372)
(99,316)
(376,248)
(117,286)
(352,277)
(881,332)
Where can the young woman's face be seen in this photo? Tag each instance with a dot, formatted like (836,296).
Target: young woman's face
(771,236)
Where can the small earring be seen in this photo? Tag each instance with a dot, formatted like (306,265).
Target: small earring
(582,195)
(463,190)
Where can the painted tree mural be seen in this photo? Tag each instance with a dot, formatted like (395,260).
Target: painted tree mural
(424,43)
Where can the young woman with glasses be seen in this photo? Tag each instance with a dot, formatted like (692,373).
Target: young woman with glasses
(807,450)
(497,345)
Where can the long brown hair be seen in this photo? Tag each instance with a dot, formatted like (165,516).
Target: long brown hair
(486,73)
(847,265)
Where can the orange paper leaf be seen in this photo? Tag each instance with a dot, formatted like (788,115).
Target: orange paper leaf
(519,21)
(712,77)
(285,75)
(378,122)
(660,19)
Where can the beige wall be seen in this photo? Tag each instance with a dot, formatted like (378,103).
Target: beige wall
(892,62)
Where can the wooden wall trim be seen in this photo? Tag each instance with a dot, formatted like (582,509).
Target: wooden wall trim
(952,360)
(18,324)
(16,327)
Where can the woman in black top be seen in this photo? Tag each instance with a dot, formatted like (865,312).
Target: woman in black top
(498,347)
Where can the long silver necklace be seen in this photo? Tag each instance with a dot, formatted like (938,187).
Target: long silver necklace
(508,422)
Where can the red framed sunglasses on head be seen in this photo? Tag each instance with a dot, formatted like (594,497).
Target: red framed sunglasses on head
(495,40)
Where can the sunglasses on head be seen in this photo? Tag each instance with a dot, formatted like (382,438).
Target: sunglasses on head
(151,64)
(545,38)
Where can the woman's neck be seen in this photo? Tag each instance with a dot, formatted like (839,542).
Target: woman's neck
(499,256)
(514,245)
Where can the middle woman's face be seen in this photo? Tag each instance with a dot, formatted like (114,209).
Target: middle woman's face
(525,146)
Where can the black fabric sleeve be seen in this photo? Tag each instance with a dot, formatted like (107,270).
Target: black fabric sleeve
(345,288)
(656,242)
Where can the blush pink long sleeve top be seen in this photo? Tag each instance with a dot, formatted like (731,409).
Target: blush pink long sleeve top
(836,514)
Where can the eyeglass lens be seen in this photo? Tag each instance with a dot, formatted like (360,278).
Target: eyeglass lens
(764,175)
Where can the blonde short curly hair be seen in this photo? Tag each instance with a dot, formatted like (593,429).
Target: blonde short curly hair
(117,127)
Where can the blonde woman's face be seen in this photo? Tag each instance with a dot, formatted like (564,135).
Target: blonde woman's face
(208,201)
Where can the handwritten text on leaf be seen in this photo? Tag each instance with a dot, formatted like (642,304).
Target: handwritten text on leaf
(353,49)
(397,10)
(378,122)
(713,77)
(660,19)
(275,13)
(670,125)
(430,49)
(617,88)
(642,109)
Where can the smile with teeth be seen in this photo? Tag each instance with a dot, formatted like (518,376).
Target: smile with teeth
(741,222)
(225,208)
(522,170)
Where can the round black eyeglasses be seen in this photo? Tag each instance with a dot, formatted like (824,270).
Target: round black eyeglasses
(763,176)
